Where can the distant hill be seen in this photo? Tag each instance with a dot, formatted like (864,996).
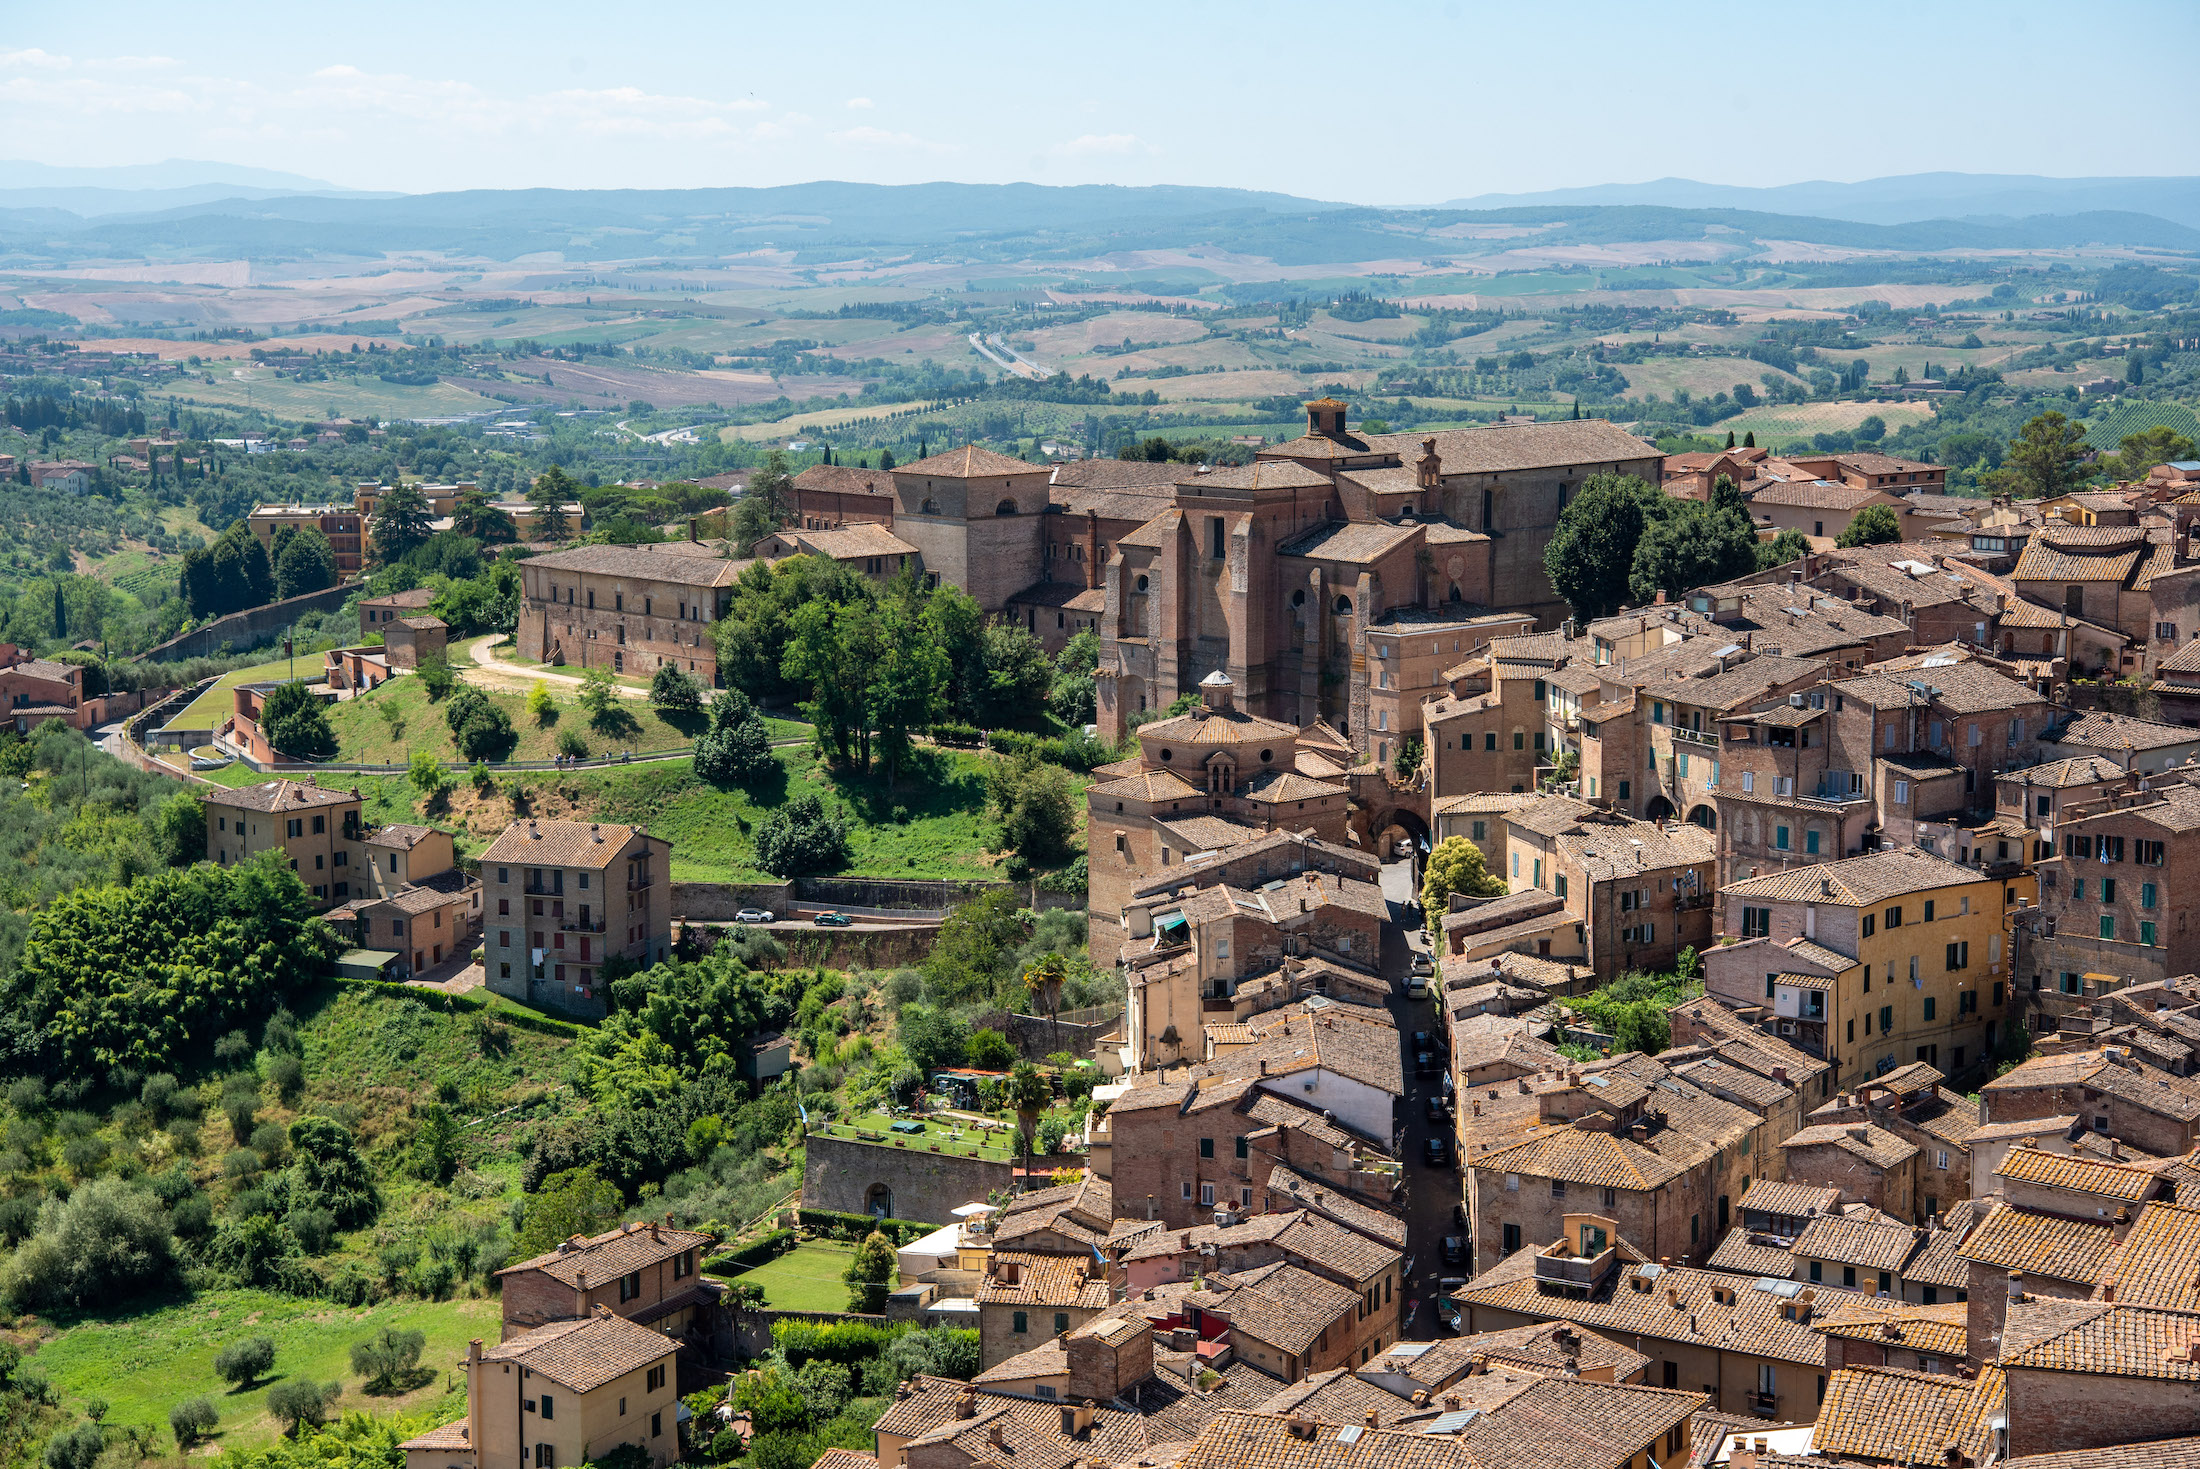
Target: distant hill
(827,221)
(1901,199)
(146,187)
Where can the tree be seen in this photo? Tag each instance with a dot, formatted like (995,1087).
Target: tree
(436,1143)
(2046,454)
(576,1201)
(479,726)
(428,776)
(977,945)
(669,688)
(401,522)
(553,490)
(762,508)
(1687,544)
(1874,428)
(387,1358)
(1036,806)
(295,724)
(906,690)
(1788,545)
(957,627)
(1455,866)
(327,1172)
(599,693)
(436,678)
(179,832)
(736,749)
(540,705)
(834,647)
(296,1403)
(989,1050)
(1592,551)
(1017,677)
(109,1241)
(228,576)
(933,1038)
(1874,525)
(75,1448)
(2157,445)
(802,837)
(1070,695)
(192,1419)
(245,1361)
(474,515)
(1027,1095)
(871,1272)
(307,564)
(1411,751)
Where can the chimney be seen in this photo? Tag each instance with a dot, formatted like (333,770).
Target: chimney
(473,1386)
(966,1405)
(993,1434)
(580,1292)
(2016,1285)
(1371,1418)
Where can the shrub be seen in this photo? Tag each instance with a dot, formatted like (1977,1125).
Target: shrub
(75,1448)
(989,1050)
(388,1358)
(110,1240)
(191,1420)
(962,736)
(540,706)
(845,1342)
(296,1403)
(669,688)
(289,1075)
(245,1361)
(436,677)
(800,837)
(757,1251)
(870,1274)
(572,745)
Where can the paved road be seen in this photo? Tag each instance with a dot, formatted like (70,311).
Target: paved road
(1430,1192)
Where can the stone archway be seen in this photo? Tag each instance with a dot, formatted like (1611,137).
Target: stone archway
(879,1202)
(1704,817)
(1658,809)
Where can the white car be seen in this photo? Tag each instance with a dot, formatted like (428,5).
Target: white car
(753,915)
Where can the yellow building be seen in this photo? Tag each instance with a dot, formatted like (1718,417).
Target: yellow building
(1873,962)
(559,1396)
(317,830)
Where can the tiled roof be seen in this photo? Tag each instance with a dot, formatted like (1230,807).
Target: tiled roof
(1205,726)
(1282,1304)
(1878,1413)
(607,1256)
(1148,785)
(1876,1146)
(845,1459)
(846,479)
(1043,1280)
(1261,474)
(403,838)
(2100,730)
(2087,1175)
(2127,1079)
(2163,1453)
(1354,1213)
(1342,1398)
(2154,1266)
(1358,542)
(850,542)
(449,1436)
(535,843)
(1587,443)
(969,462)
(642,565)
(1574,1423)
(1862,1243)
(1857,882)
(1815,494)
(2075,1250)
(1049,1359)
(2116,1341)
(1119,474)
(1541,1346)
(586,1353)
(2080,770)
(1235,1440)
(279,796)
(1756,1255)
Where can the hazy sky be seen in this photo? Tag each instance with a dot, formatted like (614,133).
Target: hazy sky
(1375,103)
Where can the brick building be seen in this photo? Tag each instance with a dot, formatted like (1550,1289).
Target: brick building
(648,1273)
(2109,1091)
(344,525)
(1640,891)
(631,609)
(1028,1299)
(561,897)
(2112,912)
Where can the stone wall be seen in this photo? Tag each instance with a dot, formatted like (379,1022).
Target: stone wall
(251,627)
(717,902)
(874,892)
(1036,1037)
(839,1173)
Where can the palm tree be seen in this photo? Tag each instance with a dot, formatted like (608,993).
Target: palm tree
(1028,1095)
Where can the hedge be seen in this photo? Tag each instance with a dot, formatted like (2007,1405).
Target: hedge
(755,1252)
(848,1342)
(854,1227)
(966,735)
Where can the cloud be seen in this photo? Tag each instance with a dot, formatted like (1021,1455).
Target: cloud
(35,59)
(1098,144)
(861,104)
(632,112)
(131,63)
(870,137)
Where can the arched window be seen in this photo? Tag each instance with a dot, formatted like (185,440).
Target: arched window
(1344,606)
(1141,585)
(929,507)
(1298,598)
(1006,507)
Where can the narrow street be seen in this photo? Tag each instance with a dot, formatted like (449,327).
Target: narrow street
(1430,1193)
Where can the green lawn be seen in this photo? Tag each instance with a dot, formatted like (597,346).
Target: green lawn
(935,1131)
(806,1278)
(209,709)
(145,1362)
(931,825)
(386,726)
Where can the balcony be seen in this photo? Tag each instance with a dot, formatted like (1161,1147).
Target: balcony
(539,890)
(1558,1266)
(1691,903)
(1695,737)
(575,926)
(1765,1404)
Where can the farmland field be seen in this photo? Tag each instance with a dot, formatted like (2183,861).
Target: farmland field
(348,397)
(1778,423)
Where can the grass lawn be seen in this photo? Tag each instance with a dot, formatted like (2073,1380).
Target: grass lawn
(145,1362)
(940,1132)
(385,727)
(209,709)
(932,825)
(806,1278)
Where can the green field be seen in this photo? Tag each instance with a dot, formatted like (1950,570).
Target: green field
(209,709)
(146,1362)
(386,726)
(931,825)
(349,397)
(1779,423)
(806,1278)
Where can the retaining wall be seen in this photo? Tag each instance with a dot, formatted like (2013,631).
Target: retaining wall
(839,1173)
(254,625)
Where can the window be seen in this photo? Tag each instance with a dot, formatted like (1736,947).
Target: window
(1902,793)
(657,1422)
(1871,925)
(1817,1272)
(2146,932)
(630,1285)
(1848,1276)
(1512,1239)
(1611,1198)
(1206,1147)
(2146,853)
(1959,955)
(546,1456)
(1779,839)
(2111,849)
(1767,1384)
(1215,537)
(1206,1196)
(2108,889)
(1928,910)
(1558,1188)
(1894,917)
(1061,1322)
(1520,741)
(1810,842)
(1756,922)
(1886,1018)
(1019,1323)
(549,1406)
(1931,1007)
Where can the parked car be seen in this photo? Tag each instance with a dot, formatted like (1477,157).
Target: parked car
(753,915)
(1421,1041)
(1437,1111)
(1422,964)
(1459,1215)
(1417,987)
(1424,1062)
(832,920)
(1455,1249)
(1436,1151)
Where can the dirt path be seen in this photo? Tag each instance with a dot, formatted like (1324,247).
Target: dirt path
(491,672)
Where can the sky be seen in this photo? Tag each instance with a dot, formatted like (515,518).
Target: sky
(1370,103)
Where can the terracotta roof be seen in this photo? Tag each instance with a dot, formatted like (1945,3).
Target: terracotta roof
(1349,541)
(403,838)
(449,1436)
(1282,1304)
(2166,1453)
(845,1459)
(1857,882)
(2085,1175)
(411,597)
(586,1353)
(279,796)
(1049,1359)
(2075,1250)
(1342,1398)
(849,542)
(1043,1280)
(1816,494)
(1859,1242)
(1119,474)
(1789,1200)
(1882,1414)
(2080,770)
(2154,1264)
(1540,1346)
(1761,1256)
(642,564)
(970,462)
(1354,1213)
(846,479)
(535,843)
(2114,1341)
(607,1256)
(1876,1145)
(2101,730)
(1205,726)
(1589,444)
(1574,1423)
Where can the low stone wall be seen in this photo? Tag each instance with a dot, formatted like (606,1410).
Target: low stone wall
(752,1330)
(717,902)
(249,628)
(890,892)
(1037,1037)
(840,1173)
